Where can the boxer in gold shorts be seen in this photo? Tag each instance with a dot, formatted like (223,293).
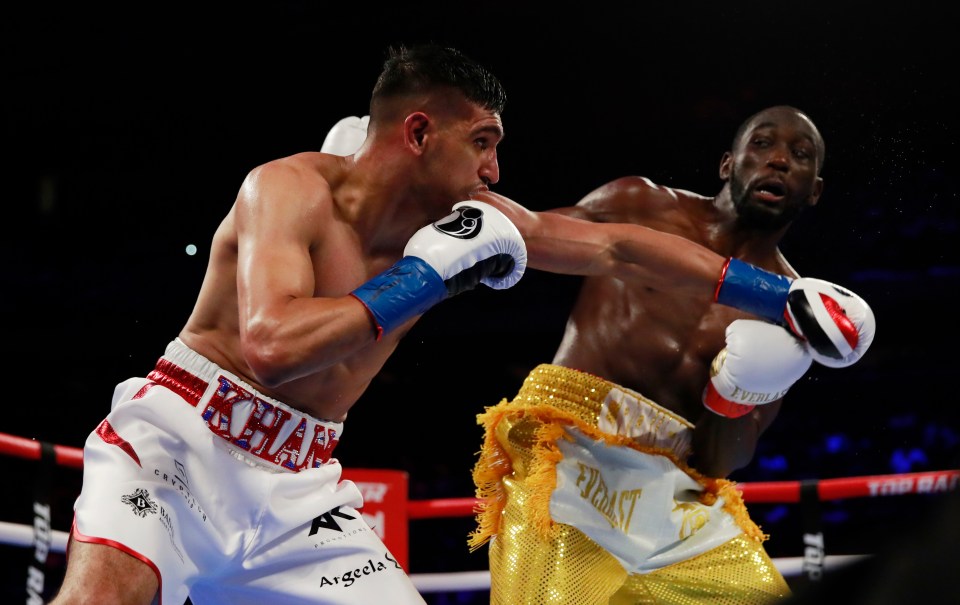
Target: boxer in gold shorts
(591,500)
(605,479)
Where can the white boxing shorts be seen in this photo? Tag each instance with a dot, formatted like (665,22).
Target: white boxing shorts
(228,495)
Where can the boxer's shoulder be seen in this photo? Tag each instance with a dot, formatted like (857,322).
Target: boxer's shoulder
(630,199)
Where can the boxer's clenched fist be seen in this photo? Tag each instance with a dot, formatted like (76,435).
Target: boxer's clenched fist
(346,136)
(836,325)
(758,366)
(474,244)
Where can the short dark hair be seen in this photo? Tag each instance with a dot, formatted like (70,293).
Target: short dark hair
(421,68)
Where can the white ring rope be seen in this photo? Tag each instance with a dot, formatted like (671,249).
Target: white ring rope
(15,534)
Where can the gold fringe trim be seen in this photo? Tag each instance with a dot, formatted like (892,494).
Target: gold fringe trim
(494,464)
(491,467)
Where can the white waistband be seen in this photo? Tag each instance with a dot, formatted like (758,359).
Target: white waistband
(259,425)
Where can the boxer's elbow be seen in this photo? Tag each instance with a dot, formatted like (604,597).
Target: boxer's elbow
(267,367)
(267,355)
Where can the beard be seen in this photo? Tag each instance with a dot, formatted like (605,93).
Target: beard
(754,214)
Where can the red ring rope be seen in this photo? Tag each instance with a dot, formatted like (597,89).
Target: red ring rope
(759,492)
(30,449)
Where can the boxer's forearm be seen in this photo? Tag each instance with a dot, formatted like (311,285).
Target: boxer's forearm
(559,241)
(631,253)
(723,445)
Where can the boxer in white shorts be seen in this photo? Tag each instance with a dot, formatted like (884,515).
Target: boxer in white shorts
(183,476)
(200,484)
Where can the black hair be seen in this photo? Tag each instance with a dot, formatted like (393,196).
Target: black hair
(420,68)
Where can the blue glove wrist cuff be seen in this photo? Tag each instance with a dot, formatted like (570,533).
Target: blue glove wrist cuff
(751,289)
(403,291)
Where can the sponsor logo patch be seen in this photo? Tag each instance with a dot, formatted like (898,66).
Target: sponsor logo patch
(141,503)
(350,576)
(327,521)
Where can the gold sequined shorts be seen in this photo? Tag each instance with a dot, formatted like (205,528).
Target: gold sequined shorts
(536,559)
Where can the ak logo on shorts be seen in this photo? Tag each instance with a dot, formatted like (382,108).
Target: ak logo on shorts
(463,223)
(140,502)
(327,521)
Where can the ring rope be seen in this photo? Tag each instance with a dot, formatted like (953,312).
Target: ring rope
(757,492)
(14,534)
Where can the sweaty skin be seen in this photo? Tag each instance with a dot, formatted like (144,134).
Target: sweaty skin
(304,232)
(275,306)
(276,310)
(294,332)
(646,333)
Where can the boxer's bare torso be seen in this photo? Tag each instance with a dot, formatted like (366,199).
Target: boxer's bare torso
(654,341)
(661,342)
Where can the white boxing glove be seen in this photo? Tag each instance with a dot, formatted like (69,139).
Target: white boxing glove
(346,136)
(837,325)
(494,235)
(759,365)
(474,244)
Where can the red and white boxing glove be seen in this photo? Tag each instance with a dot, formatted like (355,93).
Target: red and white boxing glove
(837,325)
(346,136)
(474,244)
(759,365)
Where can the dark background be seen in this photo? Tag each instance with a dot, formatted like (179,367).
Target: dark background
(127,133)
